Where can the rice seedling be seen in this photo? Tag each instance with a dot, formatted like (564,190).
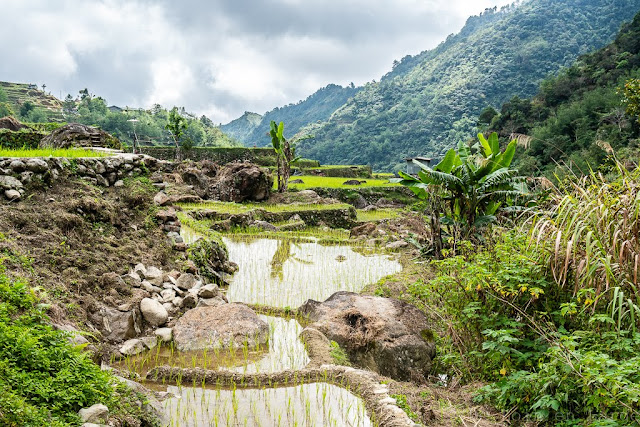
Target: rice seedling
(238,208)
(308,270)
(378,214)
(70,153)
(313,181)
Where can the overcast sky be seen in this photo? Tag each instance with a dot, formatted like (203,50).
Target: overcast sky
(216,57)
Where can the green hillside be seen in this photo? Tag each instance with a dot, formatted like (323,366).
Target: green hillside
(14,96)
(431,101)
(243,126)
(578,115)
(317,107)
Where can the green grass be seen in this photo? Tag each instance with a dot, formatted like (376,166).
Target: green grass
(312,181)
(52,152)
(238,208)
(378,215)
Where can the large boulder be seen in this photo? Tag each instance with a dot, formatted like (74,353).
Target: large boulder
(226,326)
(78,135)
(239,182)
(11,123)
(385,335)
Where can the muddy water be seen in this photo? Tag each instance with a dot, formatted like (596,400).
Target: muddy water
(277,273)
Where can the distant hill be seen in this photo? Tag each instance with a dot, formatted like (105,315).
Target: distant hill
(578,115)
(19,93)
(317,107)
(242,127)
(430,101)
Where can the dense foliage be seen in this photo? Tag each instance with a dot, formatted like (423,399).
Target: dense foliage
(547,313)
(467,189)
(44,380)
(431,100)
(252,129)
(581,114)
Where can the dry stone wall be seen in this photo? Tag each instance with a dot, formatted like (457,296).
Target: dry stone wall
(17,174)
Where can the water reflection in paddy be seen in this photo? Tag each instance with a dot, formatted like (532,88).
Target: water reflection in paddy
(286,273)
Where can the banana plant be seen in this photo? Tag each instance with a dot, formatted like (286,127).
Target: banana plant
(474,183)
(285,154)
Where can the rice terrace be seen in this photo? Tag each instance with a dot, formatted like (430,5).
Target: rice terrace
(449,238)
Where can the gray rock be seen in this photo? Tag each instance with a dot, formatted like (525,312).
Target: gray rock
(169,307)
(102,181)
(149,342)
(140,269)
(132,347)
(397,245)
(154,275)
(119,183)
(153,312)
(164,334)
(211,302)
(177,301)
(97,413)
(186,281)
(168,295)
(12,194)
(37,165)
(264,225)
(26,177)
(226,326)
(9,183)
(99,168)
(118,325)
(385,335)
(149,287)
(17,166)
(189,301)
(208,291)
(161,199)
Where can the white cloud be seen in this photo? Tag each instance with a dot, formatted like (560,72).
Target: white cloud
(218,57)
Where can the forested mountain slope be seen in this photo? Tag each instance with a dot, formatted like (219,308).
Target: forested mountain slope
(431,101)
(317,107)
(578,115)
(243,126)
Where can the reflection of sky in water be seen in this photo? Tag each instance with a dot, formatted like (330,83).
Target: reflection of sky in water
(280,274)
(286,350)
(308,405)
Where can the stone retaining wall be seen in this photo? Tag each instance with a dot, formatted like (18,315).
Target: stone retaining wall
(16,174)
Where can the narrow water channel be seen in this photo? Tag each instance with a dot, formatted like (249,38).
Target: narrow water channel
(276,273)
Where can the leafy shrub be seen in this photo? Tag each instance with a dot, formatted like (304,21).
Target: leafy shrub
(209,255)
(43,379)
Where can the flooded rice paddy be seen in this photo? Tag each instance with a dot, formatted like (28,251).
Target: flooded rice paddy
(276,273)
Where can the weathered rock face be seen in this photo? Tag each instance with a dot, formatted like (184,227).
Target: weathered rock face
(239,182)
(12,124)
(226,326)
(77,135)
(388,336)
(119,325)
